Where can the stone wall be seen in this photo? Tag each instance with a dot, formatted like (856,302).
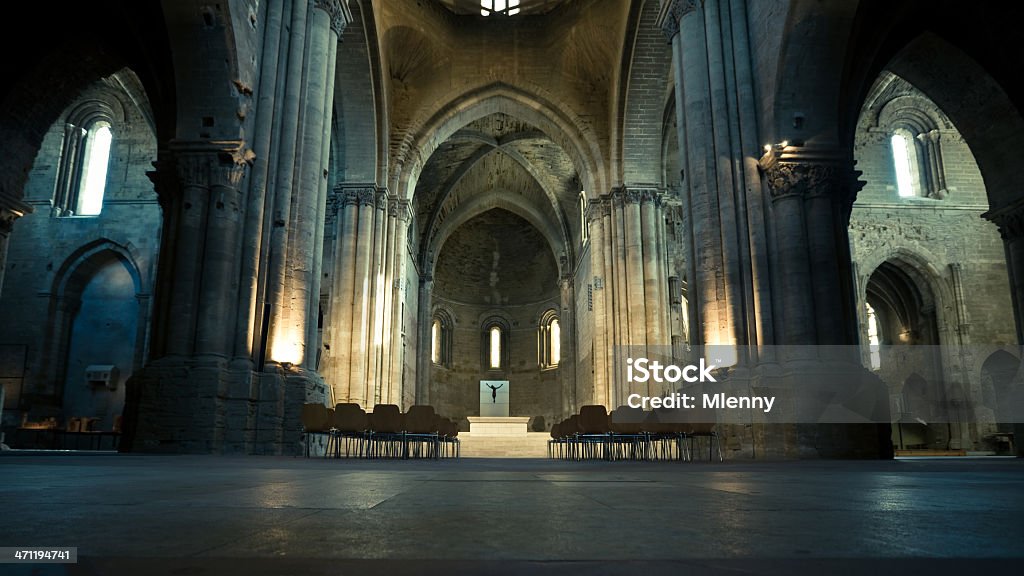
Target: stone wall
(533,391)
(941,232)
(54,260)
(938,239)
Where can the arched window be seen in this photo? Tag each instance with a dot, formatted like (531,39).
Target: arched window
(874,338)
(494,344)
(441,339)
(904,156)
(503,7)
(435,342)
(584,225)
(494,350)
(85,157)
(94,170)
(549,343)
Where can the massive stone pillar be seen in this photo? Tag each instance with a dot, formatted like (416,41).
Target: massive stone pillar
(571,400)
(10,210)
(761,270)
(366,295)
(396,357)
(301,179)
(602,345)
(424,322)
(812,196)
(1010,220)
(630,284)
(238,281)
(186,399)
(722,203)
(349,329)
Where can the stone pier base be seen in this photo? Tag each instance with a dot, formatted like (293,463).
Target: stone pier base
(206,406)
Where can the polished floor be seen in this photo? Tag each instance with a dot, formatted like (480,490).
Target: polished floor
(206,515)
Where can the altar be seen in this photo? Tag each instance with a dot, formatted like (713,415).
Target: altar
(498,425)
(494,419)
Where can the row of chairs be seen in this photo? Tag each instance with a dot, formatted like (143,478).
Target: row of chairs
(383,433)
(633,434)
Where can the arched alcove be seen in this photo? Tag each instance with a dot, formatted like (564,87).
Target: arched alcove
(997,387)
(103,331)
(494,278)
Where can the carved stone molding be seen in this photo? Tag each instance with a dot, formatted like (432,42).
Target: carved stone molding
(164,180)
(383,199)
(355,195)
(1010,220)
(671,14)
(7,218)
(399,209)
(202,164)
(404,210)
(802,179)
(635,195)
(10,210)
(598,208)
(337,11)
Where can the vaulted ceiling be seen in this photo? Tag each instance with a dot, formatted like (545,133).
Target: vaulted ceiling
(497,162)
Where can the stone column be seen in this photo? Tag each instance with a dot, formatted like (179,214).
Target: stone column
(397,286)
(300,193)
(567,336)
(808,217)
(722,202)
(221,252)
(361,317)
(355,219)
(630,284)
(1010,220)
(424,323)
(596,216)
(375,300)
(611,335)
(10,210)
(684,23)
(389,388)
(654,273)
(250,314)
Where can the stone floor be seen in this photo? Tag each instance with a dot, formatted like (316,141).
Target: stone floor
(205,515)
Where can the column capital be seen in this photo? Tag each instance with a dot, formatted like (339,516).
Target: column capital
(355,195)
(201,163)
(801,179)
(790,171)
(1009,219)
(641,194)
(383,199)
(598,208)
(671,14)
(400,209)
(10,210)
(338,11)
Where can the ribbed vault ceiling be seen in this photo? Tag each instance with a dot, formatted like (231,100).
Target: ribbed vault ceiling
(496,161)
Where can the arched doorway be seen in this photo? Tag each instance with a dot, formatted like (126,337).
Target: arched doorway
(901,332)
(997,387)
(102,340)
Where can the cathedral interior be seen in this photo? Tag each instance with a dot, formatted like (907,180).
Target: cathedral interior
(214,214)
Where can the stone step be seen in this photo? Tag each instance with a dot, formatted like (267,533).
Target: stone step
(532,445)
